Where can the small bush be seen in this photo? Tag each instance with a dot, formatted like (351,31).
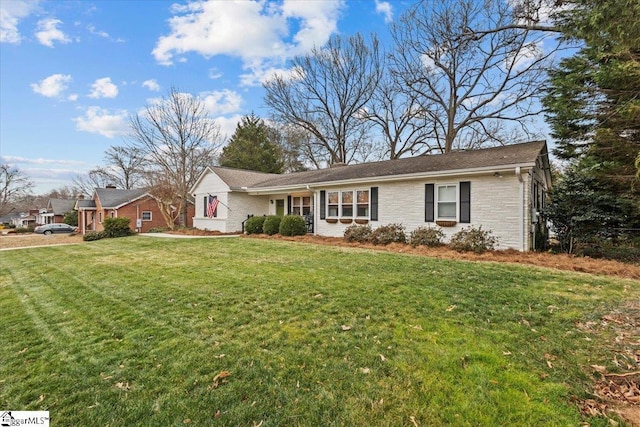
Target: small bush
(271,224)
(473,240)
(117,227)
(23,230)
(358,233)
(94,235)
(293,225)
(254,224)
(425,236)
(390,233)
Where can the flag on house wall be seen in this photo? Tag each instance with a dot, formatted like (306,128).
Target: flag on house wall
(212,206)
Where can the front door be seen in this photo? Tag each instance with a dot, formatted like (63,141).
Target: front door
(280,207)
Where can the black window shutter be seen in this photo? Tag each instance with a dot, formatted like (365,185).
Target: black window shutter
(205,206)
(429,203)
(288,205)
(374,203)
(465,202)
(323,207)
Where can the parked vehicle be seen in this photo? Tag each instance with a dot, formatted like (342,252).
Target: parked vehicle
(55,228)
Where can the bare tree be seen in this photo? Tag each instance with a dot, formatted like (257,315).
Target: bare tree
(325,96)
(124,166)
(14,185)
(178,140)
(95,178)
(476,84)
(399,116)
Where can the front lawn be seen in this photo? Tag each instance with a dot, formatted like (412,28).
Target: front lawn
(244,332)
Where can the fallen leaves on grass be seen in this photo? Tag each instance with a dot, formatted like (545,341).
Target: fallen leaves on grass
(122,386)
(221,378)
(345,327)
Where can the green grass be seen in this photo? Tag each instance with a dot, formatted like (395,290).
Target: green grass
(133,331)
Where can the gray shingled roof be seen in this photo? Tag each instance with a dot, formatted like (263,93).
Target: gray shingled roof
(61,206)
(236,178)
(111,198)
(85,204)
(516,154)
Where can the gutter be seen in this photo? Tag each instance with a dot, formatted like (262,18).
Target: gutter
(387,178)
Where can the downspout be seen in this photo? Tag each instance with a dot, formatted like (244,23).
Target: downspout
(521,180)
(315,211)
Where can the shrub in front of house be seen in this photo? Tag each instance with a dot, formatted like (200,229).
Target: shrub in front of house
(390,233)
(94,235)
(473,240)
(117,227)
(271,224)
(23,230)
(254,224)
(426,236)
(293,225)
(358,233)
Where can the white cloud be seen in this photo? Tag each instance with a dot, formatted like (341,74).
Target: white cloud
(257,32)
(48,32)
(151,84)
(228,125)
(39,161)
(52,86)
(221,102)
(73,97)
(101,121)
(11,12)
(384,8)
(103,88)
(214,73)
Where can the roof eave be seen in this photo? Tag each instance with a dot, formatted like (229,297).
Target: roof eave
(389,178)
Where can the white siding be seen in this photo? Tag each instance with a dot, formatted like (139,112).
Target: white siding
(496,205)
(211,184)
(242,205)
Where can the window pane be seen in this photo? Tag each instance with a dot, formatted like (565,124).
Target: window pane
(332,197)
(295,210)
(333,210)
(347,197)
(447,210)
(363,196)
(447,193)
(363,210)
(306,201)
(347,210)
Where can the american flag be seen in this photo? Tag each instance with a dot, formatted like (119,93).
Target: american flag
(212,205)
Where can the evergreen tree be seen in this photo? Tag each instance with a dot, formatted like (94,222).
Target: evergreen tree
(593,105)
(251,148)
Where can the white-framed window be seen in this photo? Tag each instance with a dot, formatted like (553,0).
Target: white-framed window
(295,205)
(447,202)
(333,203)
(362,203)
(147,215)
(346,202)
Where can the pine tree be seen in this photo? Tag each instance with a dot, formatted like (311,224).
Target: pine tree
(250,148)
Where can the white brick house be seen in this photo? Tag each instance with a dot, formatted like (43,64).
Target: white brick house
(502,189)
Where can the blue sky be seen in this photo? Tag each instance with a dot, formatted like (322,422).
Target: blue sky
(71,72)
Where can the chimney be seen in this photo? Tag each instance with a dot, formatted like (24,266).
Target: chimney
(110,187)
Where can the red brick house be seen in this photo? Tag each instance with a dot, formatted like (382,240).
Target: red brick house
(136,204)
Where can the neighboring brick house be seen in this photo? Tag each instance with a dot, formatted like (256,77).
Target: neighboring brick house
(502,189)
(55,211)
(136,204)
